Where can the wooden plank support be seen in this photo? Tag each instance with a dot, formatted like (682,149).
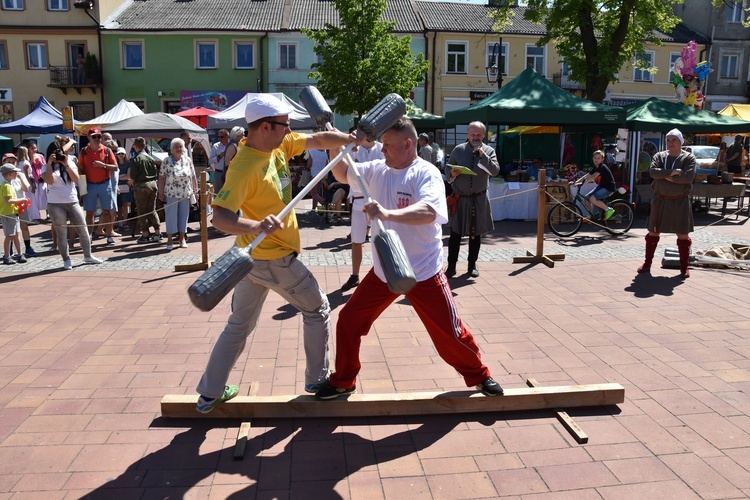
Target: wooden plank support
(204,200)
(244,430)
(546,259)
(566,420)
(415,403)
(242,435)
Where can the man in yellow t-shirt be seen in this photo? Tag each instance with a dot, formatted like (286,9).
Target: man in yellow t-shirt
(258,183)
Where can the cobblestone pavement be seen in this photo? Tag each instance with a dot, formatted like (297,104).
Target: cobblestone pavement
(327,245)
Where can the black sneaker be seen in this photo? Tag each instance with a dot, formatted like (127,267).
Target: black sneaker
(350,283)
(8,260)
(143,239)
(490,388)
(330,392)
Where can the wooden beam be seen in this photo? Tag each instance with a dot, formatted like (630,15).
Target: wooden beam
(416,403)
(565,419)
(242,435)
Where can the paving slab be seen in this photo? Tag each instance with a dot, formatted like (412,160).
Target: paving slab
(87,354)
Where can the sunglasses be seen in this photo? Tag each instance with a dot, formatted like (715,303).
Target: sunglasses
(96,136)
(223,136)
(287,124)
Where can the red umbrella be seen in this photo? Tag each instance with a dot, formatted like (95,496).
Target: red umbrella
(197,115)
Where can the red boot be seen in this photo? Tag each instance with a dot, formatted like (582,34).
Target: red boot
(684,247)
(651,243)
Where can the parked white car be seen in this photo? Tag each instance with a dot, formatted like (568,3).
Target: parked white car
(704,155)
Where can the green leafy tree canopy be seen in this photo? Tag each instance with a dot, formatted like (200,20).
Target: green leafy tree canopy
(596,37)
(361,60)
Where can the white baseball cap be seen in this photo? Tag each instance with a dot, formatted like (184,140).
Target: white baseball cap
(265,106)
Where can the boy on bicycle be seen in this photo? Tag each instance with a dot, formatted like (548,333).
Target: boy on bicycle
(606,184)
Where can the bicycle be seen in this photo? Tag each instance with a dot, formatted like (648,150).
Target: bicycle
(565,218)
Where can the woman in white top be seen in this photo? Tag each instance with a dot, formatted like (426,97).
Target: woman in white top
(177,184)
(61,175)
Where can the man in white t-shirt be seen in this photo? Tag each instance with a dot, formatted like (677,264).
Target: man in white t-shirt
(408,196)
(368,151)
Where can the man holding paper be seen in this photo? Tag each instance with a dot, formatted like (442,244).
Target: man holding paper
(473,215)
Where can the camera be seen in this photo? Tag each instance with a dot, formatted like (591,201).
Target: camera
(59,155)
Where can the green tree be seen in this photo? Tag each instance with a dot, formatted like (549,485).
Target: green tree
(596,37)
(361,60)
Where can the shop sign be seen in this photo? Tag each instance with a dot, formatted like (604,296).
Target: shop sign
(6,95)
(478,96)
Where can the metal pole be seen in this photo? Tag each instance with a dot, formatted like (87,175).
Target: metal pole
(500,58)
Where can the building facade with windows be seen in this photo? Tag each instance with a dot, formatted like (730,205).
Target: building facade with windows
(460,45)
(729,48)
(44,45)
(160,60)
(164,58)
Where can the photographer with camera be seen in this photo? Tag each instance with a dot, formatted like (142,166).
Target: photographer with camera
(61,175)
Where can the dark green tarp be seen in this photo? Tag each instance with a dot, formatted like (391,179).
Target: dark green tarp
(422,119)
(531,99)
(657,115)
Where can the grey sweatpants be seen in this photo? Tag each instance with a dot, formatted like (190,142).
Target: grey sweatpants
(292,280)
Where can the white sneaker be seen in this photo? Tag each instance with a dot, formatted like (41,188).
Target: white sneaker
(92,260)
(169,247)
(67,265)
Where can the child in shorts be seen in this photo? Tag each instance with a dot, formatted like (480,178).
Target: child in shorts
(9,211)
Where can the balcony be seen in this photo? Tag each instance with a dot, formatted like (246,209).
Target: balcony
(69,77)
(564,82)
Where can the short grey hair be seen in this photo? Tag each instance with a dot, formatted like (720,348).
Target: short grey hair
(175,141)
(478,125)
(237,133)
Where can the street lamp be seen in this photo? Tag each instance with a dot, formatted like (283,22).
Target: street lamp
(496,65)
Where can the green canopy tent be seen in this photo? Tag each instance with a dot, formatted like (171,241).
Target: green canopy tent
(6,145)
(657,115)
(422,119)
(531,99)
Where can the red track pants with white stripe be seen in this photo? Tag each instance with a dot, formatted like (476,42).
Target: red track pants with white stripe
(433,301)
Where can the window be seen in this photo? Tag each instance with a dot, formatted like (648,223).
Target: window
(12,4)
(132,55)
(535,58)
(734,12)
(729,66)
(503,63)
(6,112)
(3,54)
(643,75)
(141,103)
(61,5)
(36,55)
(673,56)
(83,111)
(244,55)
(205,54)
(287,56)
(456,55)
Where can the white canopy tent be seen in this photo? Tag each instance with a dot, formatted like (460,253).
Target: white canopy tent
(122,110)
(234,115)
